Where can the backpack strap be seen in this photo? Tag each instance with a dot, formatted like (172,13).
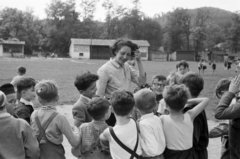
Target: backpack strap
(43,128)
(132,152)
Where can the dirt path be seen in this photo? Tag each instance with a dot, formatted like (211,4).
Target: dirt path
(214,147)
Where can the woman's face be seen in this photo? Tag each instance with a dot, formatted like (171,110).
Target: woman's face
(123,55)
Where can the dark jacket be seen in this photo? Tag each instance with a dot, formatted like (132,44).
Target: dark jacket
(24,111)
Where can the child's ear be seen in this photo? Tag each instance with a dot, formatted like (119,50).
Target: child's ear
(81,91)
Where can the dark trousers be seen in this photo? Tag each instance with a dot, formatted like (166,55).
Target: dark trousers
(200,154)
(234,142)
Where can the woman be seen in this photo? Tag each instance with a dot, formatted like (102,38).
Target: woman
(117,74)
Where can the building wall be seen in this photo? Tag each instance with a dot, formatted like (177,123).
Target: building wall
(144,52)
(1,50)
(188,56)
(79,51)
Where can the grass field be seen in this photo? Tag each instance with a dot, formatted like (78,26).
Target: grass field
(64,71)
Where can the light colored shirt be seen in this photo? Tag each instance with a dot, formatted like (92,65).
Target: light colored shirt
(55,130)
(17,140)
(162,108)
(24,101)
(178,134)
(15,80)
(153,139)
(127,134)
(114,77)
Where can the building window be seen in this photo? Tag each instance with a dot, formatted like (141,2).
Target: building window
(143,54)
(80,54)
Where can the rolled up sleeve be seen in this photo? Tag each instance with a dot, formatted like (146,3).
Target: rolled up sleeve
(102,83)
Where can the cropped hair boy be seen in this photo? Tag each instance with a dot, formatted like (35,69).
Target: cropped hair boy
(16,136)
(90,146)
(86,86)
(153,140)
(27,94)
(182,67)
(195,83)
(125,129)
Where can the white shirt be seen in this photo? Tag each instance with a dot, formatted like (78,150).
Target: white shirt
(178,134)
(162,108)
(127,134)
(153,139)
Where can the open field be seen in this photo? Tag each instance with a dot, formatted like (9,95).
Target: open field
(63,71)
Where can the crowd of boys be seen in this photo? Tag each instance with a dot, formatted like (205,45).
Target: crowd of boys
(166,120)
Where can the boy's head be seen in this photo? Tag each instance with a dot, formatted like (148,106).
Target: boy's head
(182,67)
(25,88)
(158,84)
(98,108)
(222,86)
(122,102)
(86,84)
(3,101)
(46,91)
(10,93)
(194,82)
(21,70)
(145,100)
(176,96)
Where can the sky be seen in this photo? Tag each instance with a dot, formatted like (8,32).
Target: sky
(149,7)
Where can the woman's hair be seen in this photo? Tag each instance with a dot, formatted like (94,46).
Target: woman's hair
(46,90)
(176,96)
(118,44)
(222,86)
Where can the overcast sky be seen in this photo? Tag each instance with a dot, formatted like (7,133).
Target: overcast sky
(149,7)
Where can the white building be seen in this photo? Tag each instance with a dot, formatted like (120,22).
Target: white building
(100,48)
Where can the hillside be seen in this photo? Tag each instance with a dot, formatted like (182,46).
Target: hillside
(218,16)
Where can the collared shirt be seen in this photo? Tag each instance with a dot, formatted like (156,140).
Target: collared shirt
(2,115)
(153,139)
(88,99)
(114,77)
(24,101)
(89,139)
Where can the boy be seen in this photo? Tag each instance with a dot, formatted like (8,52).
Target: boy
(158,83)
(225,111)
(90,147)
(16,136)
(182,68)
(21,71)
(214,67)
(125,129)
(86,85)
(195,83)
(26,90)
(153,140)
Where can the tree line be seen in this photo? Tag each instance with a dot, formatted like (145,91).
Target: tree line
(182,31)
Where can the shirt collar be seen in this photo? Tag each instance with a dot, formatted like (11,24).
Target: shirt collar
(24,101)
(146,116)
(2,115)
(48,107)
(113,61)
(88,99)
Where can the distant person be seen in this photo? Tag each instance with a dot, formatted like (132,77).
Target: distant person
(48,125)
(21,71)
(178,126)
(86,86)
(204,66)
(151,130)
(26,90)
(16,136)
(11,95)
(90,146)
(125,132)
(200,66)
(237,66)
(229,63)
(182,68)
(214,67)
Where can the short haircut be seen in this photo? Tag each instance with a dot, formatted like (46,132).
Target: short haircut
(145,100)
(22,70)
(176,96)
(46,90)
(3,99)
(82,82)
(159,78)
(122,102)
(118,44)
(7,89)
(25,83)
(98,107)
(194,82)
(182,63)
(222,86)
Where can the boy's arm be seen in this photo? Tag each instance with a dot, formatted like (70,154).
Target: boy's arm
(203,102)
(223,110)
(76,151)
(105,137)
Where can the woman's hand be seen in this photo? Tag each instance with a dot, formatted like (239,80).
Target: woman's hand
(234,85)
(137,54)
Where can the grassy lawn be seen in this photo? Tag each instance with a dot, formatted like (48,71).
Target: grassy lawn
(64,71)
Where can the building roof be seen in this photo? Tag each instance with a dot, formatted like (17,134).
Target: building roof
(12,41)
(105,42)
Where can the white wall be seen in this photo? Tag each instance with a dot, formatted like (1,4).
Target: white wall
(1,50)
(144,51)
(76,49)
